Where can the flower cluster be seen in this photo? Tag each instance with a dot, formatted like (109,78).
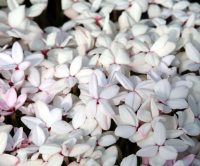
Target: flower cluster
(117,84)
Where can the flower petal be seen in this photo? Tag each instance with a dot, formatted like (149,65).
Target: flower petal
(130,160)
(149,151)
(162,89)
(159,133)
(3,142)
(76,65)
(168,152)
(17,53)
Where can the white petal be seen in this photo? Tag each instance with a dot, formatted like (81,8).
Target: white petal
(35,10)
(91,108)
(192,129)
(38,136)
(55,115)
(124,131)
(17,77)
(109,156)
(79,149)
(49,149)
(5,59)
(180,92)
(130,160)
(159,43)
(3,142)
(93,86)
(107,140)
(61,71)
(144,115)
(133,100)
(149,151)
(162,89)
(159,133)
(168,152)
(106,58)
(61,127)
(192,53)
(31,122)
(42,111)
(178,144)
(177,103)
(16,16)
(34,77)
(84,75)
(137,11)
(56,160)
(8,160)
(109,92)
(122,57)
(124,81)
(103,120)
(76,65)
(128,116)
(105,107)
(78,119)
(17,53)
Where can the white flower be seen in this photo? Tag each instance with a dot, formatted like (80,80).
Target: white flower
(98,104)
(170,97)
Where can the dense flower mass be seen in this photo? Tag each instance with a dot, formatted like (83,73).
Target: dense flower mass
(116,84)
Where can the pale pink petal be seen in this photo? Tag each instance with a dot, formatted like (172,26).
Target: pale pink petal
(3,142)
(11,97)
(20,100)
